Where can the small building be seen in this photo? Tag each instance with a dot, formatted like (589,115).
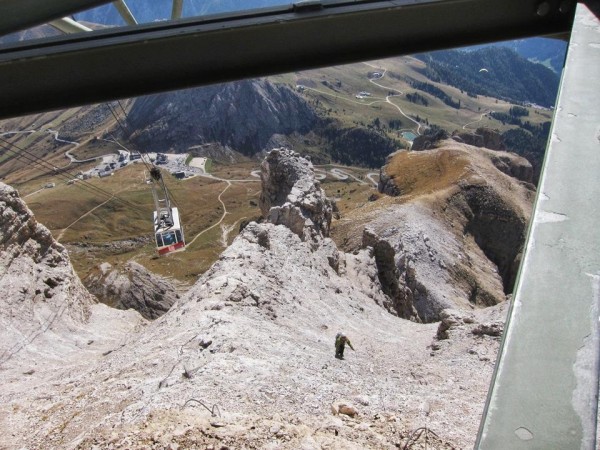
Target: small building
(134,155)
(179,175)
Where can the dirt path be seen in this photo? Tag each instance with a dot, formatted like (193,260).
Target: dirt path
(222,217)
(478,120)
(370,176)
(60,236)
(387,98)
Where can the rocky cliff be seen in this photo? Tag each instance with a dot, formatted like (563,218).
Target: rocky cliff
(453,237)
(244,116)
(246,357)
(41,295)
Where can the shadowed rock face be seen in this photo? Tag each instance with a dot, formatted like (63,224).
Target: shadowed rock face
(291,195)
(133,287)
(482,137)
(498,229)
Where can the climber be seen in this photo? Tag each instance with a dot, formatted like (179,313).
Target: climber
(340,343)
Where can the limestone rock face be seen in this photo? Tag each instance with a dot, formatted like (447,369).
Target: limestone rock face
(291,195)
(252,340)
(386,184)
(41,294)
(133,287)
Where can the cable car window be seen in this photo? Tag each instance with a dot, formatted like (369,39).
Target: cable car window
(159,241)
(169,238)
(178,234)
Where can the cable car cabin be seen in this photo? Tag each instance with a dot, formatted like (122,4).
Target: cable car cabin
(168,232)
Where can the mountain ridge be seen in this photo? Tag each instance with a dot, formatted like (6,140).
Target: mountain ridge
(494,71)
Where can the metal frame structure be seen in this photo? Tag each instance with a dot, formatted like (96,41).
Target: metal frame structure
(124,62)
(544,391)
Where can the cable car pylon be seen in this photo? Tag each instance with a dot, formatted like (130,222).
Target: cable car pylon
(168,231)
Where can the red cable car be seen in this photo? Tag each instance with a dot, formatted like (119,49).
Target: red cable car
(168,231)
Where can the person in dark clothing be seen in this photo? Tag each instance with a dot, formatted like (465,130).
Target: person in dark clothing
(340,343)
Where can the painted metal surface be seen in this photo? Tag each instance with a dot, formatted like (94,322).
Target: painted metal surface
(545,390)
(68,25)
(125,12)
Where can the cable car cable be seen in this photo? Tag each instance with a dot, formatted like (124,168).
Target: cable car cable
(44,164)
(112,111)
(90,188)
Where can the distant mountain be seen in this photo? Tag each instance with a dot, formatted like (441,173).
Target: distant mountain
(550,52)
(493,71)
(245,116)
(43,31)
(158,10)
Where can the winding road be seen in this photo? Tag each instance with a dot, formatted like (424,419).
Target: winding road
(478,120)
(387,98)
(376,100)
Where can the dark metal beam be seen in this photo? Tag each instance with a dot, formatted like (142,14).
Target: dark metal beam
(109,64)
(16,15)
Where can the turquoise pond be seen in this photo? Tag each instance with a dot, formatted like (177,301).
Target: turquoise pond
(409,135)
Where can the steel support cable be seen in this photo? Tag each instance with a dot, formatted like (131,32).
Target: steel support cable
(69,176)
(171,196)
(122,109)
(114,114)
(82,184)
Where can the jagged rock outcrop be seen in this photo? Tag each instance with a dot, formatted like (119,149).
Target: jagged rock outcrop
(244,116)
(40,292)
(133,287)
(481,137)
(427,141)
(515,166)
(291,195)
(386,184)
